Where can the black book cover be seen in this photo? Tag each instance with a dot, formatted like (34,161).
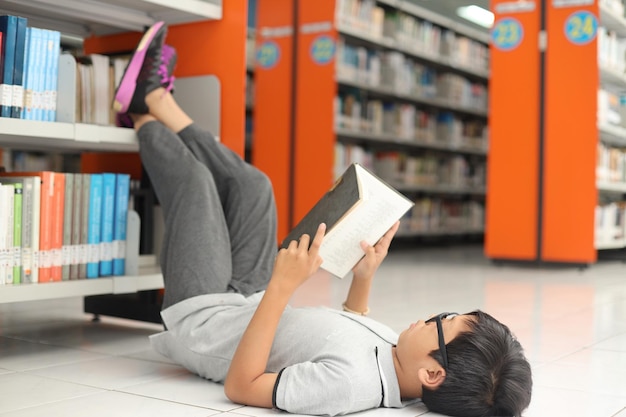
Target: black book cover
(337,201)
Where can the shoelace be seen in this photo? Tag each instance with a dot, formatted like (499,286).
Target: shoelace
(167,80)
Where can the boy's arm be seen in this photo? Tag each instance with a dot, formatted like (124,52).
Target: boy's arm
(363,272)
(246,381)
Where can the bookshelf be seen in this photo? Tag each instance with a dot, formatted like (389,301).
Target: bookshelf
(325,137)
(114,20)
(610,232)
(397,45)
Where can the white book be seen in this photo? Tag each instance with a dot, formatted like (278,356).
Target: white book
(358,207)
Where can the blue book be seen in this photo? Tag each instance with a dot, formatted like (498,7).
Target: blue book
(47,74)
(106,226)
(54,75)
(8,27)
(40,75)
(18,68)
(122,194)
(94,221)
(32,73)
(26,63)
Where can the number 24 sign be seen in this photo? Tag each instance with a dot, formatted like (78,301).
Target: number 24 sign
(581,27)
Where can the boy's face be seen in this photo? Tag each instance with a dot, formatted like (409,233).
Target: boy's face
(415,343)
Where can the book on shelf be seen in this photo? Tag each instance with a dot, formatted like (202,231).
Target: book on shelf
(7,193)
(17,101)
(68,206)
(94,225)
(120,224)
(106,225)
(76,224)
(58,209)
(358,207)
(83,252)
(8,27)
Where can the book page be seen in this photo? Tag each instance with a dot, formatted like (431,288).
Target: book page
(381,207)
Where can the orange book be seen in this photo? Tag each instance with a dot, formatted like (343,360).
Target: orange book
(44,260)
(58,203)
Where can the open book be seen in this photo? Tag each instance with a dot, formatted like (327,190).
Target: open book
(358,207)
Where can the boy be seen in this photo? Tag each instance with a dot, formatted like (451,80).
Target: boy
(227,288)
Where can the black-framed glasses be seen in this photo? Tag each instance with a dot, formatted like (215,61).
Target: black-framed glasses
(442,342)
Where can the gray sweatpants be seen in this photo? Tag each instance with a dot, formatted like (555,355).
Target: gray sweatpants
(220,214)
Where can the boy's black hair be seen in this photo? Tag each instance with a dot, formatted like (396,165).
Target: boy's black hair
(487,375)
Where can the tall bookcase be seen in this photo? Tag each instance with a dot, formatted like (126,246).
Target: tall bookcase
(556,173)
(385,83)
(196,27)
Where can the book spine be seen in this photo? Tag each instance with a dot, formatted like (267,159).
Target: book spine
(36,229)
(84,226)
(9,195)
(54,81)
(40,70)
(4,220)
(67,226)
(17,101)
(47,75)
(17,233)
(106,230)
(30,99)
(76,221)
(122,195)
(57,226)
(45,227)
(25,75)
(27,230)
(95,220)
(8,26)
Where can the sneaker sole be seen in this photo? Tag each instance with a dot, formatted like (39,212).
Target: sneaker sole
(126,89)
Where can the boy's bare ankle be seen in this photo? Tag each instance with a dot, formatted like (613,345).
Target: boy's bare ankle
(154,97)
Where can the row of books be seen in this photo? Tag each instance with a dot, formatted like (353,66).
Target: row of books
(407,121)
(611,166)
(611,108)
(96,78)
(30,58)
(611,50)
(412,33)
(62,226)
(435,215)
(427,169)
(405,76)
(610,224)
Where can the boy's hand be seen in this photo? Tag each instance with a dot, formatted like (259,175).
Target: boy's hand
(297,262)
(374,255)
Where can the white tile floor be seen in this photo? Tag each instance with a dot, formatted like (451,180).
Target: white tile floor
(55,362)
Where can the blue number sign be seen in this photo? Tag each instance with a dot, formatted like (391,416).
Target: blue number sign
(581,27)
(507,34)
(268,54)
(323,49)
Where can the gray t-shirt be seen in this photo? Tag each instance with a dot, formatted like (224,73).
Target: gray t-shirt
(329,362)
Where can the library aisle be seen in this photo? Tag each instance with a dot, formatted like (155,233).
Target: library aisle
(54,361)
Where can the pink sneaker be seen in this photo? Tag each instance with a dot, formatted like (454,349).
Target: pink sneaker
(141,75)
(166,70)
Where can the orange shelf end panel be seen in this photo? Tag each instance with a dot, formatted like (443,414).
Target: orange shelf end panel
(316,90)
(571,135)
(513,160)
(273,101)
